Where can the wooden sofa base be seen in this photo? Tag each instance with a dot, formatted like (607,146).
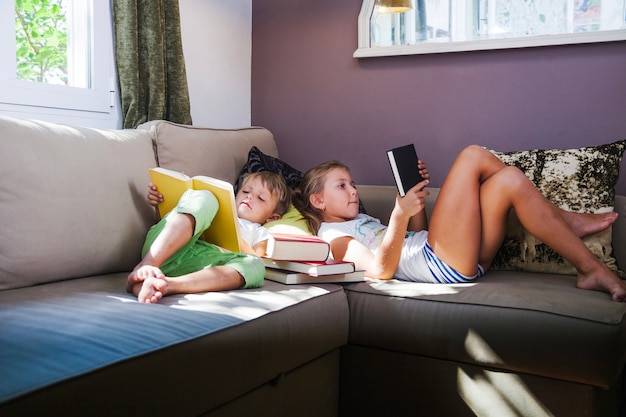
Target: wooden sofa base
(379,383)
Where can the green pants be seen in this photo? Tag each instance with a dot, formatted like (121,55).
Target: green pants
(197,254)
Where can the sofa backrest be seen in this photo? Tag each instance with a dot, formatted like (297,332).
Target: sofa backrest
(218,153)
(72,201)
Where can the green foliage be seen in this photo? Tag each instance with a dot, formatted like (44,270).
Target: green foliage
(41,41)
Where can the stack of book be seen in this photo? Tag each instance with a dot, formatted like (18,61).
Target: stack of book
(299,259)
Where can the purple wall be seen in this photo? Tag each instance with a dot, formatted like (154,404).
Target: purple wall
(321,103)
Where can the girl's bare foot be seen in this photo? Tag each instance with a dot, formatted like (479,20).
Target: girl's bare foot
(604,280)
(152,290)
(585,224)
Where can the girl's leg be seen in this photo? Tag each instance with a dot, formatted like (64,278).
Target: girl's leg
(553,227)
(469,220)
(456,228)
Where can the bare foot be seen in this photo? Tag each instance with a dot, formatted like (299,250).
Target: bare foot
(585,224)
(152,290)
(141,273)
(604,280)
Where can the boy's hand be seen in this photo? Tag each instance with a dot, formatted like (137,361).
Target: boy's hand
(154,197)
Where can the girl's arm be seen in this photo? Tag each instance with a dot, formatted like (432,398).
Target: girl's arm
(384,263)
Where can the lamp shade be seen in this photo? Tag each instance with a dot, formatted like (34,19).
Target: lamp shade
(393,6)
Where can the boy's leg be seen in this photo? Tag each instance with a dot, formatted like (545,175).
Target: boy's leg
(217,278)
(177,232)
(174,235)
(204,268)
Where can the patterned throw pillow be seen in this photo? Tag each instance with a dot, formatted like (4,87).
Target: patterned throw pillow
(578,180)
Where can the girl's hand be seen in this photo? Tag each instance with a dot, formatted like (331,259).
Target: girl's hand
(413,202)
(154,197)
(423,170)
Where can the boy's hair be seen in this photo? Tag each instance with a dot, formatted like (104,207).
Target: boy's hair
(277,187)
(313,183)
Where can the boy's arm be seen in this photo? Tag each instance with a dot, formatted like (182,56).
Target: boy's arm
(259,249)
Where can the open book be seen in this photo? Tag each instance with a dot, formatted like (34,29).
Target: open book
(224,230)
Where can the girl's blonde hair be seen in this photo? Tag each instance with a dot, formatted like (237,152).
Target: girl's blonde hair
(313,183)
(276,186)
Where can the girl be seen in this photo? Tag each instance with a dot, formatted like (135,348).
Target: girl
(466,229)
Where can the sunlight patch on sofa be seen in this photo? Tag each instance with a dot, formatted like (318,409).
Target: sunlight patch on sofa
(245,305)
(490,393)
(416,289)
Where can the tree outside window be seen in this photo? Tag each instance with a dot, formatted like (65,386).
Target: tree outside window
(41,41)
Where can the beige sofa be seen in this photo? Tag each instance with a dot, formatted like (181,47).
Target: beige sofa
(74,343)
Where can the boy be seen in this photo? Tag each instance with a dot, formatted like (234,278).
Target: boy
(176,261)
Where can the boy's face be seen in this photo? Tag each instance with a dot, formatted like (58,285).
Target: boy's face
(256,203)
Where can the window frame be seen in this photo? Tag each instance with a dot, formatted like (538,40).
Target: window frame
(98,99)
(365,50)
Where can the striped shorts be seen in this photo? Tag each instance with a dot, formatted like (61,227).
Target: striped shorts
(442,272)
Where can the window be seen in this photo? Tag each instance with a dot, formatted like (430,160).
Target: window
(452,25)
(48,55)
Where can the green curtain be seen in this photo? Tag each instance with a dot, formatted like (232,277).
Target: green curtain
(150,62)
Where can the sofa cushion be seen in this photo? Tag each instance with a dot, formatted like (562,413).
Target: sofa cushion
(193,150)
(538,324)
(72,201)
(184,345)
(578,180)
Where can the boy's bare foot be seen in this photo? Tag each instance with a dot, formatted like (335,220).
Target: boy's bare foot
(585,224)
(141,273)
(152,290)
(603,280)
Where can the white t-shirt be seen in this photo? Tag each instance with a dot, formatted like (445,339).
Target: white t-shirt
(253,233)
(370,231)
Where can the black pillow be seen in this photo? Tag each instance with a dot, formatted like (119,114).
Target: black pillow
(260,162)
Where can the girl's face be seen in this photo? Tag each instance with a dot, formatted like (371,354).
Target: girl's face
(255,202)
(339,200)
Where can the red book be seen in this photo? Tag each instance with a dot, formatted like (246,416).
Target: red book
(328,267)
(293,247)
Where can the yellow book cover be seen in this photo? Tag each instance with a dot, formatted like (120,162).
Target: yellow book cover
(224,230)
